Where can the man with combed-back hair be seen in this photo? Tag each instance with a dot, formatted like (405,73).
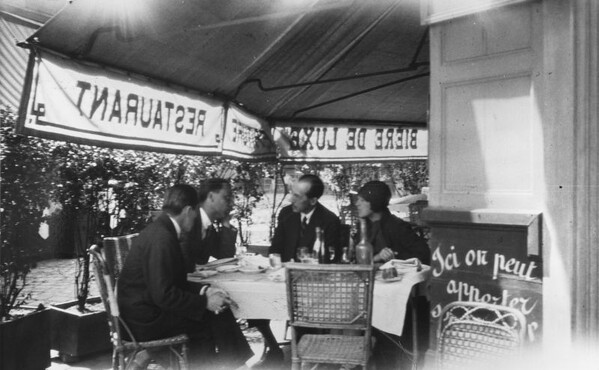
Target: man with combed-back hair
(212,234)
(296,227)
(305,208)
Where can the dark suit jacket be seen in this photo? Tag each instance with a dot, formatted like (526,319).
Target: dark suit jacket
(287,239)
(393,232)
(219,244)
(153,291)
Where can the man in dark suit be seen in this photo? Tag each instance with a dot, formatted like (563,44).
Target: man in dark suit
(297,222)
(212,234)
(156,300)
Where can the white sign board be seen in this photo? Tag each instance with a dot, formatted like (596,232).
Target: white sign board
(247,136)
(82,103)
(313,142)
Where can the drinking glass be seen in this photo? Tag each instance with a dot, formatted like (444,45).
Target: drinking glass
(275,260)
(331,253)
(302,254)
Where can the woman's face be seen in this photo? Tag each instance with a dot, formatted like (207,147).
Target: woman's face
(363,206)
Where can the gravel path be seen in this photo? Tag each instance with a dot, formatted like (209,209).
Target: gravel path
(53,281)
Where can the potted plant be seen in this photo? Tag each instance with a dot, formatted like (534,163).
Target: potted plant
(24,338)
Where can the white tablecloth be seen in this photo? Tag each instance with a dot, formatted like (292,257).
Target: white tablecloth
(258,297)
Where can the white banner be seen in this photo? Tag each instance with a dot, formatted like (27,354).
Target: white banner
(71,101)
(307,142)
(247,136)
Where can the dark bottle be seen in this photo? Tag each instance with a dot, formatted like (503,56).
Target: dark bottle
(351,250)
(318,249)
(364,248)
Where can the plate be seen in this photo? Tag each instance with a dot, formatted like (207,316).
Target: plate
(251,270)
(397,278)
(204,274)
(379,277)
(216,263)
(227,268)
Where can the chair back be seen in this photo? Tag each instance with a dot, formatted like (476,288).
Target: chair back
(107,293)
(330,296)
(124,351)
(115,250)
(473,333)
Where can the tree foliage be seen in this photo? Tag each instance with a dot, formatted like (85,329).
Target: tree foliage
(98,192)
(24,194)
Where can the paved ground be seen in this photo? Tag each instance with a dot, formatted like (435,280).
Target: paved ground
(53,281)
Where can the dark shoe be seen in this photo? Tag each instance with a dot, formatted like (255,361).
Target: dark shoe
(141,361)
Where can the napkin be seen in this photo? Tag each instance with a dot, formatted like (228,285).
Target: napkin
(403,266)
(216,263)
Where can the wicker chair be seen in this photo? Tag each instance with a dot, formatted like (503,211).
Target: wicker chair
(123,352)
(472,334)
(116,249)
(330,297)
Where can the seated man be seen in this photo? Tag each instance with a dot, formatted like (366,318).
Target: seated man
(156,300)
(298,221)
(296,226)
(211,235)
(204,241)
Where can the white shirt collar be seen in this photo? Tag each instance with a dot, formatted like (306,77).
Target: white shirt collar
(307,215)
(205,221)
(177,227)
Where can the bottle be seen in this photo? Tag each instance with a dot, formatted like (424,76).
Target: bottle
(345,259)
(364,248)
(351,250)
(318,249)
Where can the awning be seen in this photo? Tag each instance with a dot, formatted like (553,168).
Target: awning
(335,63)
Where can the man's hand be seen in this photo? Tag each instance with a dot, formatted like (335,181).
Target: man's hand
(384,255)
(217,300)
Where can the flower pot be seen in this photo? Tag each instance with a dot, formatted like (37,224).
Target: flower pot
(25,342)
(75,334)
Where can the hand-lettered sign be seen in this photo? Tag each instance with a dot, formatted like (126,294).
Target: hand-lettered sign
(486,258)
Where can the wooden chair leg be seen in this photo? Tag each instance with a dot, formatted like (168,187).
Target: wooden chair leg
(296,365)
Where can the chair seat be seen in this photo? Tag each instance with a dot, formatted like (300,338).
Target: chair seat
(179,339)
(332,349)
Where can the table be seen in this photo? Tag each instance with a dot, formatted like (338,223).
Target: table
(258,297)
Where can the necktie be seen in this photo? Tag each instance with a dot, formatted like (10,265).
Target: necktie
(210,232)
(304,225)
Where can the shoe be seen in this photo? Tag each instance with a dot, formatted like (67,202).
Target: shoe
(141,361)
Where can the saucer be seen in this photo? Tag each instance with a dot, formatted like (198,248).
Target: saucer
(251,270)
(228,268)
(379,277)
